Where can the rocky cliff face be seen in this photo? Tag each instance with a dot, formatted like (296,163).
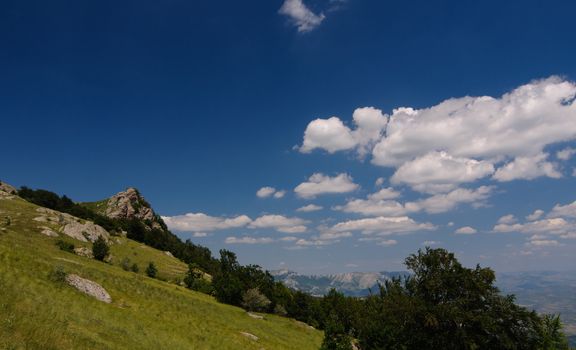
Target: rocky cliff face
(130,204)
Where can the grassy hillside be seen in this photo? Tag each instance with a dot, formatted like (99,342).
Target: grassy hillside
(37,312)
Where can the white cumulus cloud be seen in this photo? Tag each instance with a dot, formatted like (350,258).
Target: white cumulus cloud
(280,223)
(248,240)
(332,135)
(200,222)
(319,184)
(466,230)
(309,208)
(304,19)
(462,140)
(267,191)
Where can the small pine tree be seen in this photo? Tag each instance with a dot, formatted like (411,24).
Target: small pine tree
(151,270)
(100,249)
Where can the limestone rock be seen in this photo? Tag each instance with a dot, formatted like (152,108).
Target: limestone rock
(89,287)
(87,231)
(72,226)
(48,231)
(130,204)
(83,251)
(4,187)
(250,336)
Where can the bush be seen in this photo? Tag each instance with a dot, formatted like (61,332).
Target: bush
(57,275)
(151,270)
(135,268)
(125,264)
(65,246)
(100,249)
(254,300)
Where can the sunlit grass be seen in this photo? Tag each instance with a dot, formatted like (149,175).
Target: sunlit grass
(38,313)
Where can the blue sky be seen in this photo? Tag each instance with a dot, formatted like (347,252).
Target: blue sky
(358,109)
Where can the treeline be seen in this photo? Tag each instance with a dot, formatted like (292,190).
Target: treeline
(442,305)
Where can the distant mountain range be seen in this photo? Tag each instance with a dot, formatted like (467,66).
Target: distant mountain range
(351,284)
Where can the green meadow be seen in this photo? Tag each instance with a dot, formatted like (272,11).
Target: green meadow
(39,312)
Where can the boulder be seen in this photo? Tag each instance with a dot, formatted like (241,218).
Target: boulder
(88,287)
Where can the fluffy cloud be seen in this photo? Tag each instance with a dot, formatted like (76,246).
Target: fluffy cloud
(466,230)
(439,203)
(280,223)
(248,240)
(520,123)
(440,172)
(508,219)
(200,222)
(267,191)
(332,135)
(382,226)
(444,202)
(385,193)
(568,210)
(309,208)
(319,184)
(537,214)
(304,19)
(527,168)
(462,140)
(566,153)
(370,207)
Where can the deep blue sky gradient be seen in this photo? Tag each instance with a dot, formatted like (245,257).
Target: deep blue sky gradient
(199,103)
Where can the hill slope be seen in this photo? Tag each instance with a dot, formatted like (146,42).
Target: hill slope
(38,312)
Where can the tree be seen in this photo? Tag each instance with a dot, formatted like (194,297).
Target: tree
(194,278)
(100,249)
(151,270)
(444,305)
(253,300)
(227,284)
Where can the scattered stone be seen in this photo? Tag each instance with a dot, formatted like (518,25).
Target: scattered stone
(83,251)
(250,336)
(258,317)
(89,287)
(169,254)
(48,231)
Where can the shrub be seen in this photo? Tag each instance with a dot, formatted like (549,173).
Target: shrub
(65,246)
(57,275)
(125,264)
(254,300)
(134,268)
(100,249)
(151,270)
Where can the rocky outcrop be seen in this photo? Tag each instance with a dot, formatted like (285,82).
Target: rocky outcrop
(4,187)
(85,231)
(88,287)
(130,204)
